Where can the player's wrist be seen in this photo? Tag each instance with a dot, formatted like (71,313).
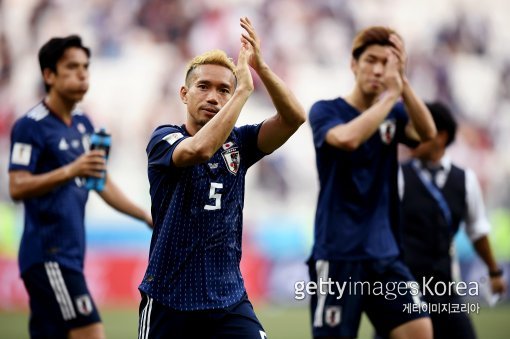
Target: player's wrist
(496,273)
(67,172)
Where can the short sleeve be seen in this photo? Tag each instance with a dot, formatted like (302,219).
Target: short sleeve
(162,145)
(26,145)
(248,134)
(477,223)
(322,119)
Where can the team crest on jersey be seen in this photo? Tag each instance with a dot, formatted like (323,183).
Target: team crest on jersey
(332,315)
(231,156)
(387,130)
(83,304)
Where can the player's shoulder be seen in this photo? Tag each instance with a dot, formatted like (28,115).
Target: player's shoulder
(164,130)
(30,121)
(169,133)
(35,114)
(328,105)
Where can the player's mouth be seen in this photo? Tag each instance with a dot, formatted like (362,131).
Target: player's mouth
(210,110)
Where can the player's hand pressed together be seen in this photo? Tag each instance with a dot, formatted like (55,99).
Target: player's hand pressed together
(400,53)
(392,75)
(243,74)
(252,42)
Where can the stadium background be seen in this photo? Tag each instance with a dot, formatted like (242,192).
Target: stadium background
(458,53)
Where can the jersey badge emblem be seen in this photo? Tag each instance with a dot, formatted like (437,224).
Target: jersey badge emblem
(232,157)
(333,315)
(387,131)
(83,304)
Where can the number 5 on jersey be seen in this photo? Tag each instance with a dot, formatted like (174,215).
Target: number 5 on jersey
(214,195)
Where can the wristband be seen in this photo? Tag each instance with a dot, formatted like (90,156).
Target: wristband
(496,274)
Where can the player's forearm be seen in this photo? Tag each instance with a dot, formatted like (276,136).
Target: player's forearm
(114,197)
(351,135)
(286,104)
(483,248)
(420,116)
(24,185)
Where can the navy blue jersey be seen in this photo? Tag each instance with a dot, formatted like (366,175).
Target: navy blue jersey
(358,198)
(54,222)
(195,249)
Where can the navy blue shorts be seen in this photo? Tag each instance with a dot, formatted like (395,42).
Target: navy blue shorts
(236,321)
(59,301)
(381,288)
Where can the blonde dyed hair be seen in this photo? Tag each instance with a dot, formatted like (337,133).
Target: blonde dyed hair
(213,57)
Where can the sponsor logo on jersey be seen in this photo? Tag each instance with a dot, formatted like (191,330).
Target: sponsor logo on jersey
(21,154)
(63,145)
(387,131)
(231,156)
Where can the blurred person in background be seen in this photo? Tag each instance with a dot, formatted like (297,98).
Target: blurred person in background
(49,161)
(437,196)
(193,286)
(356,141)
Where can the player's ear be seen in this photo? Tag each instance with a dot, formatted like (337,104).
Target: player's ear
(48,77)
(442,137)
(183,93)
(354,66)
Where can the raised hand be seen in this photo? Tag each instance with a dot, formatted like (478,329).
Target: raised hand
(243,74)
(392,77)
(399,52)
(252,41)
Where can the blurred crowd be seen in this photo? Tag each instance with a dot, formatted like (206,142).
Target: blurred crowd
(458,53)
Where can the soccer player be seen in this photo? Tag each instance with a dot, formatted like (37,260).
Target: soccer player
(49,162)
(436,197)
(355,140)
(193,286)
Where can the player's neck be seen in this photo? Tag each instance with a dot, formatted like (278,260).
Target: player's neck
(191,127)
(60,107)
(360,101)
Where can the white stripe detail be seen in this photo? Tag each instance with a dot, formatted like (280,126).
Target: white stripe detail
(59,288)
(60,280)
(56,289)
(38,112)
(142,321)
(322,270)
(149,319)
(145,320)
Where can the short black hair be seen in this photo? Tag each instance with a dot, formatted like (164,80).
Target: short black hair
(51,52)
(444,119)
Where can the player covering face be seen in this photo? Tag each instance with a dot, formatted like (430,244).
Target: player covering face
(355,139)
